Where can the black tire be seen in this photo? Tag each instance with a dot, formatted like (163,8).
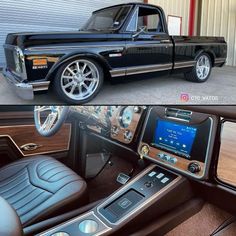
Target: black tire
(57,87)
(193,75)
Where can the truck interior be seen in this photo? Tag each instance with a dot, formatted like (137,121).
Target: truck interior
(117,170)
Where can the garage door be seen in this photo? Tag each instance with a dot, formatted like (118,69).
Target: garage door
(46,15)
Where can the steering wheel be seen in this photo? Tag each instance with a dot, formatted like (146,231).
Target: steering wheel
(49,119)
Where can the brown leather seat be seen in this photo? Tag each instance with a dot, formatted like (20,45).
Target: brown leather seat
(39,186)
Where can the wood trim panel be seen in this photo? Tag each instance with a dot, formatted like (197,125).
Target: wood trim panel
(16,115)
(226,170)
(114,119)
(132,127)
(181,164)
(22,134)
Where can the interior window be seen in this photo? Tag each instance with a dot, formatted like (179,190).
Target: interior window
(110,18)
(149,18)
(226,170)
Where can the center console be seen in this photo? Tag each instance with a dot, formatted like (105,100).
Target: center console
(151,187)
(179,139)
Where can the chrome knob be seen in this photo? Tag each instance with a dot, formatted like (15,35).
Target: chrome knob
(145,150)
(114,130)
(137,109)
(128,135)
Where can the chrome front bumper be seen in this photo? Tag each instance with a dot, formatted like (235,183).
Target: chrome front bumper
(24,90)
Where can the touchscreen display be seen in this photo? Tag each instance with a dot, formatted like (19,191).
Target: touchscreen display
(174,137)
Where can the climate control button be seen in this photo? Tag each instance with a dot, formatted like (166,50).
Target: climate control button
(167,158)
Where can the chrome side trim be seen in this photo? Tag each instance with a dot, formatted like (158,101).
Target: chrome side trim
(184,64)
(69,47)
(85,216)
(197,44)
(118,72)
(220,60)
(161,44)
(147,69)
(40,86)
(140,69)
(27,155)
(143,205)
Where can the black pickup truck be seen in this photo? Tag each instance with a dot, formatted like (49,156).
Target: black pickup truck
(121,40)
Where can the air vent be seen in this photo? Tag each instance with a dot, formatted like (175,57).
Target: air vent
(178,114)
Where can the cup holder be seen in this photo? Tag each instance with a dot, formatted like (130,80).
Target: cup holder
(88,226)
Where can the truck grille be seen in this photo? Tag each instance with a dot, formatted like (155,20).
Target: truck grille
(15,61)
(10,60)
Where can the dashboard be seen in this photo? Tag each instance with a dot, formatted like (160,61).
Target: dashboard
(178,139)
(120,123)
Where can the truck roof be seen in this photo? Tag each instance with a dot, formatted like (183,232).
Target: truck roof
(128,4)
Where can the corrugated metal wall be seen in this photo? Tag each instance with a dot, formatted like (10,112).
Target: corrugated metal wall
(219,19)
(177,8)
(46,15)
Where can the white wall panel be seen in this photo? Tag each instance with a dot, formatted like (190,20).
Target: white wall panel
(219,19)
(177,8)
(46,15)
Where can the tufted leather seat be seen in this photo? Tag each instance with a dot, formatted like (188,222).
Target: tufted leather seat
(39,186)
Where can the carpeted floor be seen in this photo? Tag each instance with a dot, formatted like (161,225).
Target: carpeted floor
(105,183)
(203,223)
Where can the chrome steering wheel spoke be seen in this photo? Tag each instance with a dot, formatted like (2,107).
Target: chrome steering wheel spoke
(49,119)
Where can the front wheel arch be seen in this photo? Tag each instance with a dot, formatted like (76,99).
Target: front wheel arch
(193,76)
(76,98)
(210,54)
(106,69)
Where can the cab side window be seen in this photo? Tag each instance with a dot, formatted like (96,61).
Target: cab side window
(150,19)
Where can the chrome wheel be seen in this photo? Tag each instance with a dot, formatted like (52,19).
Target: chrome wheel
(80,79)
(203,67)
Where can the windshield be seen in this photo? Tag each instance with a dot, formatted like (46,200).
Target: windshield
(108,19)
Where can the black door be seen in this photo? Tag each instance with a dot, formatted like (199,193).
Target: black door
(149,48)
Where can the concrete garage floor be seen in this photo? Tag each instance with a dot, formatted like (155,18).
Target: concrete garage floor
(219,89)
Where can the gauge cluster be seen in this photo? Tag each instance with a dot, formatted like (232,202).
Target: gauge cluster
(121,121)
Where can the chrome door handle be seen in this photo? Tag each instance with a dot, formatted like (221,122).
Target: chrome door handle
(30,147)
(165,41)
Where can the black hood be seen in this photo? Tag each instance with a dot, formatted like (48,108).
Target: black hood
(28,39)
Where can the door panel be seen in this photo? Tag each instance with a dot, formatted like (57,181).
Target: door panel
(21,135)
(149,49)
(17,129)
